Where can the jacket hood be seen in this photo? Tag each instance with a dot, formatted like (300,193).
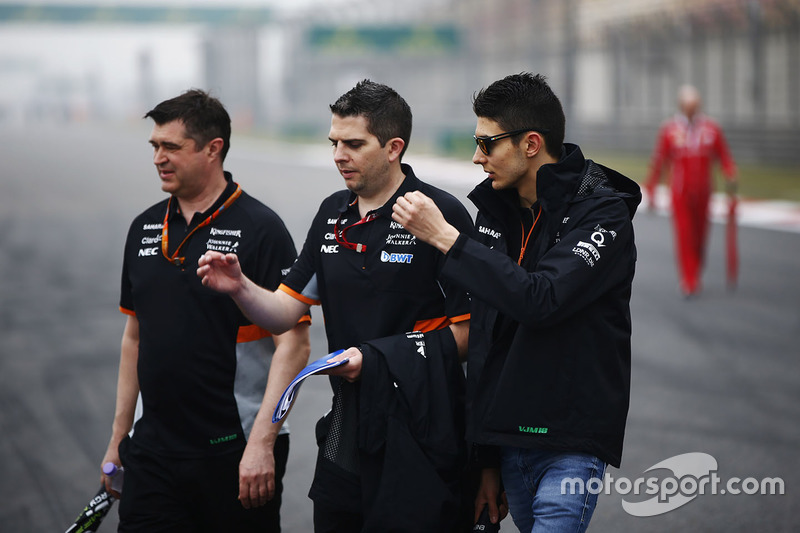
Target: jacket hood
(574,178)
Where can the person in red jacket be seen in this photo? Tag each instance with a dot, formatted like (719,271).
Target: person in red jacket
(689,143)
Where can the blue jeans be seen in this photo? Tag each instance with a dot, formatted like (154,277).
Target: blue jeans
(533,483)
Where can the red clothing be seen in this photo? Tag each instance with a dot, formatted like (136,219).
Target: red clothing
(690,148)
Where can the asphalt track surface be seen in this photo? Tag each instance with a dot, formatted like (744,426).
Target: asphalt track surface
(717,374)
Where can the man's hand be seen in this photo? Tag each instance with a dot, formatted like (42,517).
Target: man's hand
(487,495)
(221,272)
(112,456)
(420,215)
(256,475)
(351,370)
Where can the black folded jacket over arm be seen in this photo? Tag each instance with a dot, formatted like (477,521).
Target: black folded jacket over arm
(411,432)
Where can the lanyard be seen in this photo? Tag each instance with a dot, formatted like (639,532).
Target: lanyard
(524,240)
(340,234)
(176,259)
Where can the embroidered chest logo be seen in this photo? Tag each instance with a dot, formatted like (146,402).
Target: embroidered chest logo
(490,232)
(330,236)
(150,243)
(329,249)
(225,241)
(387,257)
(401,239)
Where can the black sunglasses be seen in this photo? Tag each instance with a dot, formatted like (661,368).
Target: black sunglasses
(485,142)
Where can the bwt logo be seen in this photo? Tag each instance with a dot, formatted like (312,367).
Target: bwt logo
(691,475)
(396,258)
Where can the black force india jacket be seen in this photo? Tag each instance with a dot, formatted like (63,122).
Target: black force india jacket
(411,433)
(562,379)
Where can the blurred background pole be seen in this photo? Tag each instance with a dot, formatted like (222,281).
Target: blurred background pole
(231,65)
(793,66)
(758,60)
(570,15)
(147,81)
(698,55)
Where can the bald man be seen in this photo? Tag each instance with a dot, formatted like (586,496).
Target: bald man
(689,144)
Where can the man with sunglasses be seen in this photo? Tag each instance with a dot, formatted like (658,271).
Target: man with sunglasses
(204,455)
(391,449)
(550,273)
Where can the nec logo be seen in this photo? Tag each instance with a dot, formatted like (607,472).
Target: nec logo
(396,258)
(329,249)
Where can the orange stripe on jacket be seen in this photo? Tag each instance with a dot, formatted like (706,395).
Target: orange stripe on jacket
(459,318)
(127,311)
(432,324)
(297,296)
(253,333)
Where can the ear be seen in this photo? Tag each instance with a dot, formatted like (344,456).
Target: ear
(214,148)
(533,143)
(395,148)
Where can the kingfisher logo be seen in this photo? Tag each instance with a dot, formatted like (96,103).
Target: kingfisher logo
(226,232)
(386,257)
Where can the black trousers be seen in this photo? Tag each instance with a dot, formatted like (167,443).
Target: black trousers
(163,494)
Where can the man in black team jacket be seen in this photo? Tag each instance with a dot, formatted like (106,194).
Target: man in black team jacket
(375,283)
(550,275)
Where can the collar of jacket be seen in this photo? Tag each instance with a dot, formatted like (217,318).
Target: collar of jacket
(556,184)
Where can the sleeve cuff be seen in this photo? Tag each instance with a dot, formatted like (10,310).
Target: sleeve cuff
(455,250)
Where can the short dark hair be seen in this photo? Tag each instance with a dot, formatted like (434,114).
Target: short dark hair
(387,114)
(203,116)
(520,101)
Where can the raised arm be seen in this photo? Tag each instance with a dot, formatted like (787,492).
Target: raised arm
(564,281)
(275,311)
